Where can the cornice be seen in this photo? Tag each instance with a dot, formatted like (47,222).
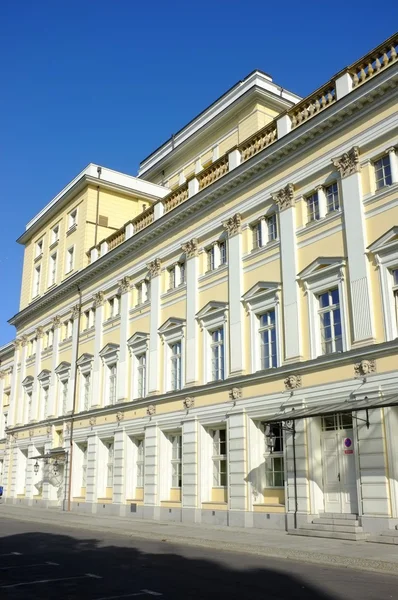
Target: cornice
(293,142)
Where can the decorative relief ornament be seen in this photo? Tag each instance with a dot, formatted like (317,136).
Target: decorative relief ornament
(365,367)
(31,433)
(154,267)
(124,285)
(188,402)
(191,248)
(235,393)
(93,421)
(293,382)
(119,416)
(56,322)
(348,163)
(75,311)
(233,225)
(285,197)
(151,410)
(99,299)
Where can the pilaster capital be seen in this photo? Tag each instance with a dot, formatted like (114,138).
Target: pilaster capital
(56,322)
(39,333)
(191,248)
(233,225)
(75,311)
(17,343)
(154,267)
(348,163)
(24,341)
(285,197)
(2,375)
(124,285)
(99,299)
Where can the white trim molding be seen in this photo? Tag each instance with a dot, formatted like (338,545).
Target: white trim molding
(214,315)
(171,332)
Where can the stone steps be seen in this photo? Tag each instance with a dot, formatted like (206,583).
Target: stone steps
(344,522)
(345,516)
(336,535)
(333,525)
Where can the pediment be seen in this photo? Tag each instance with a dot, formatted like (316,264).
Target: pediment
(109,349)
(212,308)
(138,337)
(321,265)
(171,324)
(84,359)
(62,367)
(387,241)
(43,375)
(28,381)
(261,289)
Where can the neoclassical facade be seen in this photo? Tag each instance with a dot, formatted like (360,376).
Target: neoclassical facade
(215,340)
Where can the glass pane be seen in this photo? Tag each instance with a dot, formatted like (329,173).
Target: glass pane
(328,423)
(324,300)
(346,420)
(335,296)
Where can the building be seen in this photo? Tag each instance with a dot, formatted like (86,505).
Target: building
(215,340)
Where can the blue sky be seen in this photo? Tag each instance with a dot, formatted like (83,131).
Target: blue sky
(108,81)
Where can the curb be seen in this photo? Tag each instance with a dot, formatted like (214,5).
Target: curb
(330,560)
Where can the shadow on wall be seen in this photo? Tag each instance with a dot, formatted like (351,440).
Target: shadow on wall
(176,573)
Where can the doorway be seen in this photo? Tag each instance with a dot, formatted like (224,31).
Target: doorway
(338,463)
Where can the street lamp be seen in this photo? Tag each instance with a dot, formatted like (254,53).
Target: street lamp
(36,467)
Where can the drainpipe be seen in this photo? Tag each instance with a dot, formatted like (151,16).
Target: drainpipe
(99,171)
(74,402)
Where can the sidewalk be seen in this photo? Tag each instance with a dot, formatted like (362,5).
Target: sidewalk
(357,555)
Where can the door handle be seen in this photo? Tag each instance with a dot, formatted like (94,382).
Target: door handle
(338,476)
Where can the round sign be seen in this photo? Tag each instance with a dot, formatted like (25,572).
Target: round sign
(347,442)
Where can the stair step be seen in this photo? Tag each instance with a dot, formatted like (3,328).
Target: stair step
(326,527)
(338,516)
(337,535)
(345,522)
(384,538)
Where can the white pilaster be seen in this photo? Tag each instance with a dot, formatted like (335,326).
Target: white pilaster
(75,343)
(190,458)
(15,398)
(193,187)
(29,472)
(291,297)
(154,340)
(235,291)
(343,85)
(234,159)
(158,210)
(52,409)
(151,483)
(355,234)
(283,126)
(237,461)
(122,367)
(192,273)
(91,481)
(36,384)
(45,471)
(119,487)
(99,318)
(321,201)
(394,164)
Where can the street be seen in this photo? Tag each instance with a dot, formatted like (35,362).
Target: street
(43,561)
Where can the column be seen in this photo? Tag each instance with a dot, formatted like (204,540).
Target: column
(6,468)
(36,386)
(235,290)
(122,367)
(119,488)
(355,234)
(192,273)
(96,378)
(151,483)
(14,403)
(54,364)
(291,293)
(154,340)
(92,453)
(14,452)
(46,484)
(2,433)
(237,471)
(75,349)
(29,471)
(190,469)
(301,474)
(20,392)
(394,164)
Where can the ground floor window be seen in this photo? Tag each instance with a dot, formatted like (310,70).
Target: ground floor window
(220,476)
(337,421)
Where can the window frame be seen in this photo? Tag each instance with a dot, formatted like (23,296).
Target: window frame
(37,281)
(138,346)
(176,461)
(313,197)
(53,267)
(72,219)
(385,183)
(330,309)
(326,188)
(218,458)
(213,316)
(70,260)
(173,332)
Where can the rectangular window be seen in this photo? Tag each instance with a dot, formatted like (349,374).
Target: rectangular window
(219,458)
(45,401)
(332,197)
(139,293)
(140,463)
(36,282)
(113,307)
(53,269)
(29,398)
(313,207)
(64,397)
(39,248)
(86,320)
(72,221)
(257,232)
(383,172)
(223,252)
(86,390)
(267,331)
(84,466)
(274,462)
(182,273)
(147,291)
(210,259)
(141,372)
(272,228)
(70,259)
(330,322)
(109,465)
(172,278)
(176,461)
(176,369)
(217,354)
(112,384)
(55,234)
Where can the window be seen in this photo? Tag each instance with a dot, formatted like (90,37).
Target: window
(210,259)
(68,329)
(39,248)
(172,278)
(217,354)
(395,292)
(52,275)
(48,338)
(330,322)
(272,228)
(222,246)
(383,172)
(55,234)
(332,197)
(65,386)
(176,370)
(113,307)
(29,400)
(140,463)
(313,207)
(112,384)
(219,458)
(182,273)
(36,281)
(257,232)
(109,465)
(70,259)
(143,291)
(267,331)
(84,466)
(86,390)
(176,275)
(141,375)
(274,462)
(176,461)
(45,401)
(72,220)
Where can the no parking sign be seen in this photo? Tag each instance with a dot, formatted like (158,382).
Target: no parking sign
(348,449)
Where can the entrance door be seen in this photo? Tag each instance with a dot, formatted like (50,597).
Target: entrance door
(339,475)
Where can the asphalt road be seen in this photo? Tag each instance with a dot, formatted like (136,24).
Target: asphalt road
(43,562)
